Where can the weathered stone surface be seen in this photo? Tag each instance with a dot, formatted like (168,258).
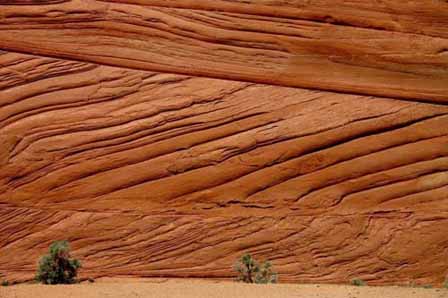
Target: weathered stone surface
(151,173)
(242,46)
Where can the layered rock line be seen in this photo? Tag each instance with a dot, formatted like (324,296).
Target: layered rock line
(164,175)
(380,48)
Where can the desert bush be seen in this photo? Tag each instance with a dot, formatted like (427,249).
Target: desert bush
(250,271)
(413,284)
(445,284)
(5,283)
(358,282)
(57,267)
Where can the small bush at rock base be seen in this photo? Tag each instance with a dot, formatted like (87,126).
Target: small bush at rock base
(56,267)
(5,283)
(358,282)
(250,271)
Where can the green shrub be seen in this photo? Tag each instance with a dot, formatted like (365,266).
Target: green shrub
(56,267)
(427,286)
(250,271)
(5,283)
(358,282)
(445,284)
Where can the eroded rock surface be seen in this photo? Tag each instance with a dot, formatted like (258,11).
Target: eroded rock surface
(151,173)
(382,48)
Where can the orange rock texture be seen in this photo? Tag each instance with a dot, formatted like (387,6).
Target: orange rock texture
(166,138)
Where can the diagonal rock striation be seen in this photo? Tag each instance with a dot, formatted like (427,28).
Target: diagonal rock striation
(297,52)
(166,138)
(151,174)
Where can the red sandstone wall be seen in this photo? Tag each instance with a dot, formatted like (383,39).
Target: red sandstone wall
(152,173)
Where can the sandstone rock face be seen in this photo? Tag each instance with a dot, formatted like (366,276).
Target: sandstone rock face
(166,138)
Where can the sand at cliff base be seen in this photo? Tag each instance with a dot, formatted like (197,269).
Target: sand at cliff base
(208,289)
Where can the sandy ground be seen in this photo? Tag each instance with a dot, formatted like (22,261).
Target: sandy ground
(207,289)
